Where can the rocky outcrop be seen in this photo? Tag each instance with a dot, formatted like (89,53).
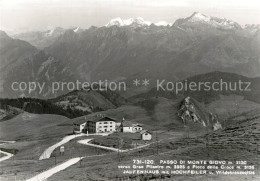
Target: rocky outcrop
(190,112)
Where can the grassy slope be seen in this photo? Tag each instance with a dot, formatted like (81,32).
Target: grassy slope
(33,134)
(228,106)
(26,161)
(28,126)
(231,144)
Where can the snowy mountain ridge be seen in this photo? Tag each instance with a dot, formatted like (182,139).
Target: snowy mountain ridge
(197,17)
(139,22)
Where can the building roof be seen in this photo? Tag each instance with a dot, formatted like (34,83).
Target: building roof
(126,124)
(95,118)
(137,125)
(144,131)
(105,118)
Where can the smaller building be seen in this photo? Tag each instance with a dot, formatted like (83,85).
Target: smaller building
(126,127)
(129,127)
(146,135)
(79,128)
(137,127)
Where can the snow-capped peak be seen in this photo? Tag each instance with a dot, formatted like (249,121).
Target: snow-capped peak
(199,17)
(49,32)
(214,21)
(76,29)
(162,23)
(117,21)
(139,21)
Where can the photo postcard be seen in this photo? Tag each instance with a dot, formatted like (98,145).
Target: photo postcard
(135,90)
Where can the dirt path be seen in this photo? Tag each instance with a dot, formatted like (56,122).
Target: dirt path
(86,142)
(47,153)
(8,155)
(58,168)
(48,173)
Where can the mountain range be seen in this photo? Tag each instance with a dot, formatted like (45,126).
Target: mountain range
(129,49)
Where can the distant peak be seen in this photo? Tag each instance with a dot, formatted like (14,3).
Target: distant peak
(136,22)
(3,35)
(198,17)
(77,29)
(163,23)
(197,14)
(55,31)
(139,21)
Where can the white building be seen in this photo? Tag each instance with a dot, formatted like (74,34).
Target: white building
(129,127)
(126,127)
(97,124)
(146,135)
(137,128)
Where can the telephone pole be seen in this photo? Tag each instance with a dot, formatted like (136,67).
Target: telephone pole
(118,152)
(157,147)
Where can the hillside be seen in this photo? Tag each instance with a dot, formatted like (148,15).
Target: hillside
(225,103)
(8,112)
(206,95)
(89,100)
(41,39)
(74,104)
(37,106)
(40,68)
(13,52)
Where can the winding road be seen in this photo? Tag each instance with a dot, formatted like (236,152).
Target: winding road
(47,153)
(86,142)
(7,155)
(48,173)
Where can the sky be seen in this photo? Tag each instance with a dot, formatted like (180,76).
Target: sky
(31,15)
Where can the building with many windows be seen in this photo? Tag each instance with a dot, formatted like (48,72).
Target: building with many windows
(96,124)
